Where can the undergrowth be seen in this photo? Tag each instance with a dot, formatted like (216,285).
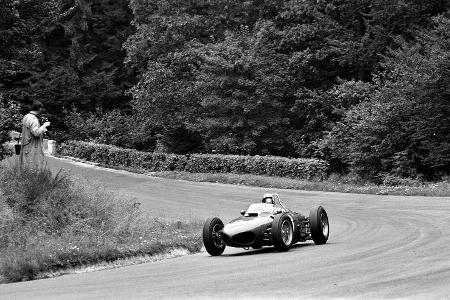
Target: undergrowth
(51,222)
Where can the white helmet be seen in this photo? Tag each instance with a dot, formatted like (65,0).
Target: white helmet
(267,198)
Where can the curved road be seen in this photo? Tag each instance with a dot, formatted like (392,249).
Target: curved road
(379,247)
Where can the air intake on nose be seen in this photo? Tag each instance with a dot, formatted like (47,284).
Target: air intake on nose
(244,238)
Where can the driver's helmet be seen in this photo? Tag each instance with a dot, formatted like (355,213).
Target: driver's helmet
(267,198)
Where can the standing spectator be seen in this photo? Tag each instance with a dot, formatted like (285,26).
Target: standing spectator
(32,153)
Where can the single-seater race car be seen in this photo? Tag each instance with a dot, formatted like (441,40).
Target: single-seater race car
(268,223)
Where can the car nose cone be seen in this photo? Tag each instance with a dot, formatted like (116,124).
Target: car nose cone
(245,231)
(245,224)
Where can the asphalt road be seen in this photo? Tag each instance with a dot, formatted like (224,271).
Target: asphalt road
(379,247)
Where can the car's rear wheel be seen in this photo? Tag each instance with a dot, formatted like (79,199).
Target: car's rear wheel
(318,223)
(282,232)
(212,239)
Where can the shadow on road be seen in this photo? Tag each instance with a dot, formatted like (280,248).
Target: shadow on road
(264,250)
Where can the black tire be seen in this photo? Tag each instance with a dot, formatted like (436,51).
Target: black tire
(319,225)
(257,246)
(282,232)
(214,244)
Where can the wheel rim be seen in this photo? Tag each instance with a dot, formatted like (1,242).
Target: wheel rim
(286,232)
(217,239)
(324,224)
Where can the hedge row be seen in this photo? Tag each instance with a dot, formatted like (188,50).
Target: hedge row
(300,168)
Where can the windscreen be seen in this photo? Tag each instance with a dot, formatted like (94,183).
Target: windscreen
(260,209)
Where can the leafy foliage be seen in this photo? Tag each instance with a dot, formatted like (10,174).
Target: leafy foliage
(403,128)
(9,121)
(64,54)
(289,78)
(260,76)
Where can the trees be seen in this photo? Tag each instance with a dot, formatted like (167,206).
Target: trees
(262,77)
(402,128)
(19,48)
(259,76)
(20,27)
(242,91)
(294,78)
(64,54)
(166,51)
(231,71)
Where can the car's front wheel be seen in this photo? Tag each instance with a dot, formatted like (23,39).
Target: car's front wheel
(282,232)
(318,223)
(212,239)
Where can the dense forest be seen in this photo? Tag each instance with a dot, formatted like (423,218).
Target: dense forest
(364,84)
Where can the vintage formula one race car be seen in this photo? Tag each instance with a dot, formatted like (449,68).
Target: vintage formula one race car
(268,223)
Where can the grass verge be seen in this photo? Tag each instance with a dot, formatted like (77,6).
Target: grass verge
(334,184)
(52,222)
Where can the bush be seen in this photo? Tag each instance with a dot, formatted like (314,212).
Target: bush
(110,127)
(392,180)
(257,165)
(401,125)
(10,120)
(51,222)
(197,163)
